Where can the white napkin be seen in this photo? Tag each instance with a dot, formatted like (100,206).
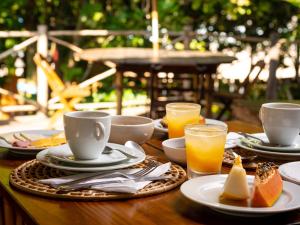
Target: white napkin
(129,186)
(231,140)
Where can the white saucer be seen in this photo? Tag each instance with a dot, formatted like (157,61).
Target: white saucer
(29,150)
(159,127)
(270,154)
(47,161)
(293,148)
(207,189)
(64,154)
(290,172)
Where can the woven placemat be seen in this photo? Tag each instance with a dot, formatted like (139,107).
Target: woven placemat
(26,177)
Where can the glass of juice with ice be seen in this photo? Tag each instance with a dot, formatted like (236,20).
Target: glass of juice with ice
(204,148)
(180,114)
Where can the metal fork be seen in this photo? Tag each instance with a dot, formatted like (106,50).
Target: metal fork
(152,165)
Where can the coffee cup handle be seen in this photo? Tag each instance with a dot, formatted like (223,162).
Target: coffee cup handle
(99,130)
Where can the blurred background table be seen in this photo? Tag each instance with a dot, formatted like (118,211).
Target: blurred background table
(140,60)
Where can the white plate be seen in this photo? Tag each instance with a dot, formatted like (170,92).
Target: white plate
(29,150)
(160,128)
(44,159)
(269,154)
(290,172)
(207,189)
(64,154)
(293,148)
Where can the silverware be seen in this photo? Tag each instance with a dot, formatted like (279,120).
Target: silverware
(152,165)
(64,190)
(134,145)
(245,158)
(262,142)
(4,139)
(108,150)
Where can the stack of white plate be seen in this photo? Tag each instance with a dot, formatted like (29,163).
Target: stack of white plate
(291,152)
(61,157)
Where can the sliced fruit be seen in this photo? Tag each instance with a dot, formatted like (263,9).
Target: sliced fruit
(236,185)
(267,186)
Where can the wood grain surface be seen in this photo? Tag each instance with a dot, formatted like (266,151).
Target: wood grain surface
(167,208)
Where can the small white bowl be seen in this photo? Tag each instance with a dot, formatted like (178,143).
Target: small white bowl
(130,128)
(174,149)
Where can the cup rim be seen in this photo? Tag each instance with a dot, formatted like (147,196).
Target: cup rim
(223,127)
(270,105)
(150,121)
(194,106)
(73,114)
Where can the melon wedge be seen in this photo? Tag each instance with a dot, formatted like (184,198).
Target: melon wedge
(236,185)
(267,186)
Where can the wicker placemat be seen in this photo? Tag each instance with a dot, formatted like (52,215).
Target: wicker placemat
(26,176)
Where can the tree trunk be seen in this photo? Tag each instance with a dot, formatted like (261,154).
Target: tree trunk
(274,62)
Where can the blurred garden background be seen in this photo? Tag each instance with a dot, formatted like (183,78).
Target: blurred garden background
(251,31)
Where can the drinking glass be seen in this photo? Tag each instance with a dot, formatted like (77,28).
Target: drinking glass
(179,115)
(204,148)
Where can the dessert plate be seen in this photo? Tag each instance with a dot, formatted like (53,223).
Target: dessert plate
(28,150)
(44,158)
(290,172)
(293,148)
(270,154)
(207,189)
(159,127)
(64,154)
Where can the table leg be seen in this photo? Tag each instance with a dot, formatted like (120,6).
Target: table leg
(8,213)
(151,93)
(119,91)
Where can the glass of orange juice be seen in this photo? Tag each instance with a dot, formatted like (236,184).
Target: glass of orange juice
(204,148)
(180,114)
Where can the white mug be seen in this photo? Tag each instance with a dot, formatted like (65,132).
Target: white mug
(281,122)
(87,133)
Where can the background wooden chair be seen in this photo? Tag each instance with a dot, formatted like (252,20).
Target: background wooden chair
(68,95)
(241,91)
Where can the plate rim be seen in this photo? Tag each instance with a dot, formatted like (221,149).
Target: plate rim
(82,162)
(273,149)
(32,150)
(165,130)
(286,176)
(41,158)
(239,209)
(268,153)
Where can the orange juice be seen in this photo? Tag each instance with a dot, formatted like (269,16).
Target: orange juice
(204,148)
(179,115)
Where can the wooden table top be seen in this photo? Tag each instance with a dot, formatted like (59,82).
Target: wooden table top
(147,56)
(167,208)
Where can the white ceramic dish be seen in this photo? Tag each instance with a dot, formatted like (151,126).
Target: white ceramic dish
(207,189)
(29,150)
(175,150)
(133,128)
(45,160)
(293,148)
(290,172)
(64,154)
(270,154)
(159,128)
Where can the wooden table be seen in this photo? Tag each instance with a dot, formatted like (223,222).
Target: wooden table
(167,208)
(142,60)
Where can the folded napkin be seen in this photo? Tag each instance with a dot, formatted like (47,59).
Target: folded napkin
(128,186)
(232,138)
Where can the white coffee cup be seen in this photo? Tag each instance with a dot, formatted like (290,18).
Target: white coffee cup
(87,133)
(281,122)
